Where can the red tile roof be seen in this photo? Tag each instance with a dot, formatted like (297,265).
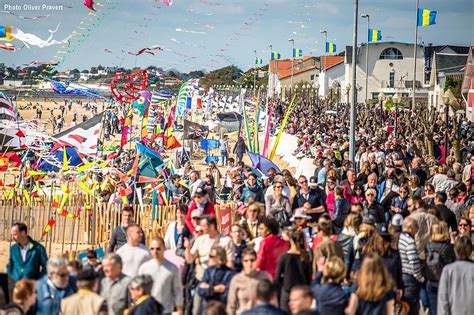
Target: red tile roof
(330,61)
(300,65)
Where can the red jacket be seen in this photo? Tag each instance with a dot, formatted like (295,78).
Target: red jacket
(208,209)
(270,249)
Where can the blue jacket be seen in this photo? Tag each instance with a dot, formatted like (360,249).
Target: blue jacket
(330,298)
(255,192)
(34,266)
(48,299)
(214,276)
(264,309)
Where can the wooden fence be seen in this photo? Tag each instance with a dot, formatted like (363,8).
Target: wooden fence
(94,223)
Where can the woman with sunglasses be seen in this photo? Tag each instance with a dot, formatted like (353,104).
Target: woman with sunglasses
(244,284)
(358,194)
(277,205)
(464,229)
(216,279)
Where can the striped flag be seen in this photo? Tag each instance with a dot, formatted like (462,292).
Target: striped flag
(330,47)
(426,17)
(297,52)
(258,61)
(374,35)
(275,56)
(68,214)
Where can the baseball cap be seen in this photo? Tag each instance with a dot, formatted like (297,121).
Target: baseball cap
(200,191)
(397,221)
(300,213)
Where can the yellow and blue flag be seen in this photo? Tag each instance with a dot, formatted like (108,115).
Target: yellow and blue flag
(297,52)
(426,17)
(330,47)
(258,61)
(374,35)
(6,33)
(275,56)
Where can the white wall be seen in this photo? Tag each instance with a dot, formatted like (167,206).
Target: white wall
(379,69)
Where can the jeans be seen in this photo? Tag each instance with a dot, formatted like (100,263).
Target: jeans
(432,291)
(224,157)
(411,293)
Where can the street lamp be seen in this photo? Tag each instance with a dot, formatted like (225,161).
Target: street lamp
(381,98)
(448,98)
(396,99)
(366,16)
(292,60)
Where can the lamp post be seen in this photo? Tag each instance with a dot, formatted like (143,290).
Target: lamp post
(316,86)
(396,99)
(292,61)
(381,98)
(255,71)
(448,97)
(348,89)
(366,16)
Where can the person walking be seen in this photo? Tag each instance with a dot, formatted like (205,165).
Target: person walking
(293,268)
(240,149)
(224,149)
(27,257)
(166,279)
(134,253)
(243,285)
(52,288)
(86,300)
(114,286)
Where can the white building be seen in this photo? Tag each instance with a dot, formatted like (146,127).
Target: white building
(390,69)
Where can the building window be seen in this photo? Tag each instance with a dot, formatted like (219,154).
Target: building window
(392,79)
(391,53)
(311,77)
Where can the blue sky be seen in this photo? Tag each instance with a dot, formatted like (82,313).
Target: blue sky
(130,25)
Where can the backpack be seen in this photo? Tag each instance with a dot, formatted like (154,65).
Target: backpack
(434,263)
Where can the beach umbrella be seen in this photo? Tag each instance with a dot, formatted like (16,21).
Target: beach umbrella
(262,163)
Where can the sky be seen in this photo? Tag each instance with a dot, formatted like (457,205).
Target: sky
(226,32)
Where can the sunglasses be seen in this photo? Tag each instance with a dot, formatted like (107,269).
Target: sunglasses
(212,256)
(155,248)
(298,219)
(463,224)
(303,182)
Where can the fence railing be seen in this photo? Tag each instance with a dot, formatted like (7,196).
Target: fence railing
(94,221)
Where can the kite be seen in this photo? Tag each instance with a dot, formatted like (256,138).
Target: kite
(107,50)
(25,17)
(30,39)
(189,31)
(166,2)
(8,47)
(89,4)
(125,87)
(146,50)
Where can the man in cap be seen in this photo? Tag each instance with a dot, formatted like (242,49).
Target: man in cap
(201,203)
(300,220)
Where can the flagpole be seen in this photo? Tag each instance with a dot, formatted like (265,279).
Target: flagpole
(354,84)
(324,63)
(366,16)
(292,63)
(415,53)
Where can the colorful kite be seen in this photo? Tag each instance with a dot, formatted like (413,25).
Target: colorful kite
(8,47)
(11,33)
(125,87)
(189,31)
(147,50)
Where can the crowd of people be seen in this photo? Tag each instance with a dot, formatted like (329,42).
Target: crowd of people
(383,234)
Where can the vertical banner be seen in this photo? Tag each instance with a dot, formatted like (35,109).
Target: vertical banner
(225,214)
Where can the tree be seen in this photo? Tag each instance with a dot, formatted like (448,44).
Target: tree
(454,85)
(224,76)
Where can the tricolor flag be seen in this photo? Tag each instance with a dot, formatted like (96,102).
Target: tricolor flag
(275,56)
(330,47)
(297,52)
(258,61)
(426,17)
(374,35)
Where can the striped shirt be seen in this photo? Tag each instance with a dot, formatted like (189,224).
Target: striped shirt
(409,256)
